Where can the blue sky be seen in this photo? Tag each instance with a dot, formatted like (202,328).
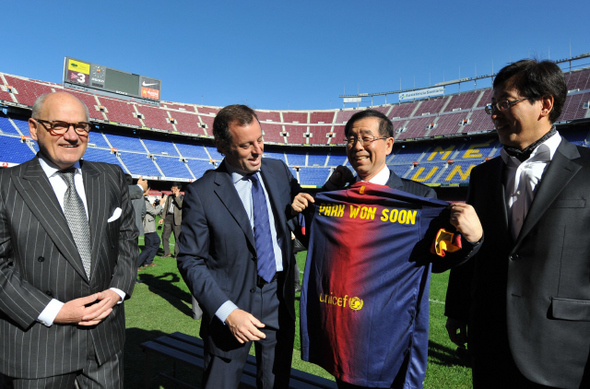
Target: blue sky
(289,54)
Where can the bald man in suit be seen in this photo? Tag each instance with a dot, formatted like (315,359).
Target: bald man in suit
(68,252)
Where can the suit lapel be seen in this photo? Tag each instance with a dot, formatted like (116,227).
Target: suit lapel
(273,194)
(496,191)
(559,173)
(227,194)
(394,182)
(39,196)
(95,187)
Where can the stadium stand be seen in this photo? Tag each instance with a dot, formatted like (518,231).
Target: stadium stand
(6,126)
(461,101)
(295,117)
(268,116)
(14,149)
(187,123)
(448,124)
(26,90)
(154,118)
(436,138)
(430,106)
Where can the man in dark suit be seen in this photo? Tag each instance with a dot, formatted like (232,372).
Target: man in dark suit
(239,269)
(60,317)
(369,137)
(172,218)
(522,303)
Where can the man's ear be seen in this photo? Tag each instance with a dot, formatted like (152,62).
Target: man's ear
(219,146)
(546,105)
(389,145)
(33,129)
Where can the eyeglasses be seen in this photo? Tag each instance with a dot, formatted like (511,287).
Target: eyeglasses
(365,140)
(57,127)
(501,106)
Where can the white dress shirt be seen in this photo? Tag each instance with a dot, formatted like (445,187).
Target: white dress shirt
(522,179)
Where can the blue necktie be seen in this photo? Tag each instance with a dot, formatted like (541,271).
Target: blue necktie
(264,249)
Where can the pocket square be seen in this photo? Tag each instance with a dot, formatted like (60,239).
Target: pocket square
(116,214)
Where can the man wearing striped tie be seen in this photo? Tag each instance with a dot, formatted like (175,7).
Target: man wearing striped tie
(68,252)
(236,255)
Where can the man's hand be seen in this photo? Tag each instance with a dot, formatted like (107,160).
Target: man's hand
(465,220)
(341,176)
(143,183)
(89,310)
(175,191)
(161,221)
(244,326)
(457,332)
(300,202)
(163,200)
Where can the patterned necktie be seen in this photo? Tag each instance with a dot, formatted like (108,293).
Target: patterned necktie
(76,218)
(264,249)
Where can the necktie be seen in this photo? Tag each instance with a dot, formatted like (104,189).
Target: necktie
(264,249)
(77,220)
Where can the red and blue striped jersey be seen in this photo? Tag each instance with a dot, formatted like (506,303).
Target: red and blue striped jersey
(364,305)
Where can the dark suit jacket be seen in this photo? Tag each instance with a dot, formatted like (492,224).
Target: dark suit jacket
(413,187)
(178,200)
(39,261)
(533,295)
(217,256)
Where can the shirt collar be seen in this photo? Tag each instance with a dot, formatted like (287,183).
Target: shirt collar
(380,178)
(50,169)
(543,153)
(236,174)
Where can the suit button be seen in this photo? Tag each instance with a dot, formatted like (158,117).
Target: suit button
(49,293)
(515,257)
(41,259)
(252,290)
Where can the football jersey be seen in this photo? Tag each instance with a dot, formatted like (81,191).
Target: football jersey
(364,304)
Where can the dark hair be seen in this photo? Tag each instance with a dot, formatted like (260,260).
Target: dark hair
(129,179)
(385,126)
(177,184)
(241,114)
(533,80)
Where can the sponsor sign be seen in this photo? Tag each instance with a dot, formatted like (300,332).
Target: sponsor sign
(422,93)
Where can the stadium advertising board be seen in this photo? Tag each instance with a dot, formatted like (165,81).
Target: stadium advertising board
(352,99)
(100,77)
(421,94)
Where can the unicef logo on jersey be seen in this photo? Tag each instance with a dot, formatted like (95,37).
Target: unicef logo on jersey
(354,303)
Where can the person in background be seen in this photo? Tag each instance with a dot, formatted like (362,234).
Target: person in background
(172,218)
(136,195)
(151,238)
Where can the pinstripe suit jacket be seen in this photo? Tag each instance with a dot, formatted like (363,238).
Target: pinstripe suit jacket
(39,261)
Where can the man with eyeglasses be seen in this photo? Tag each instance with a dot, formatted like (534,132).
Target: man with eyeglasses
(68,253)
(522,303)
(402,351)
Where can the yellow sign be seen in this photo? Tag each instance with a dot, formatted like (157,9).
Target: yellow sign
(77,66)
